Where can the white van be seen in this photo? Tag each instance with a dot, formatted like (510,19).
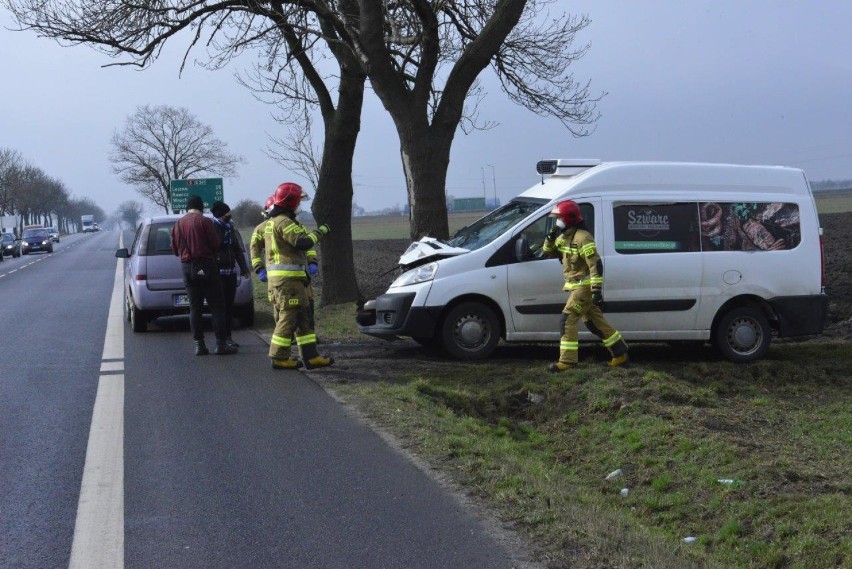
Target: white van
(691,252)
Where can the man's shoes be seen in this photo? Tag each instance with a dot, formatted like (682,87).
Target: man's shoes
(558,366)
(224,349)
(319,361)
(289,363)
(200,348)
(618,360)
(231,342)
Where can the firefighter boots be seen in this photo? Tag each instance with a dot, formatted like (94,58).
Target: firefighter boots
(289,363)
(618,360)
(318,361)
(200,348)
(558,366)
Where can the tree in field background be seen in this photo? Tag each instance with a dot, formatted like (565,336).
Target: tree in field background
(159,144)
(422,59)
(247,214)
(130,212)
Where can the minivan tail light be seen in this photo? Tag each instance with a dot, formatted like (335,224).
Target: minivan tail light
(141,277)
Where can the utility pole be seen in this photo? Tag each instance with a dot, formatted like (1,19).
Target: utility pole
(484,195)
(494,181)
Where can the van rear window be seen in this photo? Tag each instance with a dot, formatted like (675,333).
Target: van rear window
(706,226)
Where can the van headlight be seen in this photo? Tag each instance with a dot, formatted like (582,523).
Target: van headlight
(421,274)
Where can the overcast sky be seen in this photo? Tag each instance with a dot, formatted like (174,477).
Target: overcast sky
(739,81)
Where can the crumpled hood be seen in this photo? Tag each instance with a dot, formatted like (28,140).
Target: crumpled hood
(426,250)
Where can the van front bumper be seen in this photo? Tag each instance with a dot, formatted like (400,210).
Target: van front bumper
(391,315)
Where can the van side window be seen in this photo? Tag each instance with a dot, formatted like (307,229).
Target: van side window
(749,226)
(705,226)
(656,228)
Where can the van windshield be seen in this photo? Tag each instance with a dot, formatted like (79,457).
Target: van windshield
(485,230)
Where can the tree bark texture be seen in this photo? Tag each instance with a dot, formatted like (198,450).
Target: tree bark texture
(333,202)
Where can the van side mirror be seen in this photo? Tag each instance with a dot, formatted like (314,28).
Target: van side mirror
(123,253)
(522,249)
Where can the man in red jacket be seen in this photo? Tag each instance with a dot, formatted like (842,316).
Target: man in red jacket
(195,241)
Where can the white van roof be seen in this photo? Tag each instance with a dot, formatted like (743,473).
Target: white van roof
(560,178)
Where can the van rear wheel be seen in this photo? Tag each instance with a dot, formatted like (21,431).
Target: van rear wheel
(743,334)
(470,331)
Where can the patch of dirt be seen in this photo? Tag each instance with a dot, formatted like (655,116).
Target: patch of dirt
(376,263)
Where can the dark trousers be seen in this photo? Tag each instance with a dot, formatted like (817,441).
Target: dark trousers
(229,290)
(209,288)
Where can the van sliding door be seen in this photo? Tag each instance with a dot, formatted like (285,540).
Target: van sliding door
(652,268)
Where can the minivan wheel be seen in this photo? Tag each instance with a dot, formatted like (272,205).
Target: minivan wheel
(470,331)
(138,323)
(743,335)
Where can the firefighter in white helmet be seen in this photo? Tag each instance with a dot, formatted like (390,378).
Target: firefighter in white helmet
(285,266)
(583,270)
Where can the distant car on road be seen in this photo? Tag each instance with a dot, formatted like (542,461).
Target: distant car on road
(153,277)
(54,234)
(36,240)
(11,246)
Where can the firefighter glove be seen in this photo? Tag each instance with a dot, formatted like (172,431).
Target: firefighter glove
(324,229)
(313,269)
(261,274)
(597,297)
(553,233)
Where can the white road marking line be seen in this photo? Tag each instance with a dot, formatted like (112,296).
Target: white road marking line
(99,529)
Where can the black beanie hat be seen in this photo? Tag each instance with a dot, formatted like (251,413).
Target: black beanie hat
(195,202)
(218,209)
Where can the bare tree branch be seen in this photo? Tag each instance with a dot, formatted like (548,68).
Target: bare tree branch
(160,144)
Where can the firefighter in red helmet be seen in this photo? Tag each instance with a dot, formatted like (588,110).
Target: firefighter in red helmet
(583,270)
(284,264)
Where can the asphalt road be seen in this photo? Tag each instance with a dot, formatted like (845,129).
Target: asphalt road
(135,453)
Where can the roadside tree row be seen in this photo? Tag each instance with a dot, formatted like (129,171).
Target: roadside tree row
(34,197)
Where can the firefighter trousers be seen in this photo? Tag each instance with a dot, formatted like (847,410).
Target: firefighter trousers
(580,307)
(293,318)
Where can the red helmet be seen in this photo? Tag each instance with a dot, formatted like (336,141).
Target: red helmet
(268,205)
(288,195)
(569,212)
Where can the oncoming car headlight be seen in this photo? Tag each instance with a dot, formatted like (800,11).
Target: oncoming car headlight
(419,275)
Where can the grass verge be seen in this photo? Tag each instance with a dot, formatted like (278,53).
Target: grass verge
(538,447)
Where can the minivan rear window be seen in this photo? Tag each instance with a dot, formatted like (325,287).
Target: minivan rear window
(159,239)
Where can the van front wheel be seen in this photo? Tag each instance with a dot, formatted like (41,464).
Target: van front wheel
(470,331)
(743,335)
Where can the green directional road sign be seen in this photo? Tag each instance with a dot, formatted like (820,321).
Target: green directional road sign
(210,190)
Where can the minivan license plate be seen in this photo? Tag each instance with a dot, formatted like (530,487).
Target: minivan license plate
(181,300)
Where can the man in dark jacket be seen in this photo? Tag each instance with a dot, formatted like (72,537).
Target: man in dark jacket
(195,241)
(229,256)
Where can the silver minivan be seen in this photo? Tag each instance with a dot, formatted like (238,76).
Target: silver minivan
(153,277)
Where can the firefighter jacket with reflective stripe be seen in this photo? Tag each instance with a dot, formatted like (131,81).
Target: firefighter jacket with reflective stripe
(284,253)
(581,264)
(257,246)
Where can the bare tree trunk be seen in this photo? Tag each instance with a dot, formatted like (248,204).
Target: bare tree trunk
(425,160)
(333,202)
